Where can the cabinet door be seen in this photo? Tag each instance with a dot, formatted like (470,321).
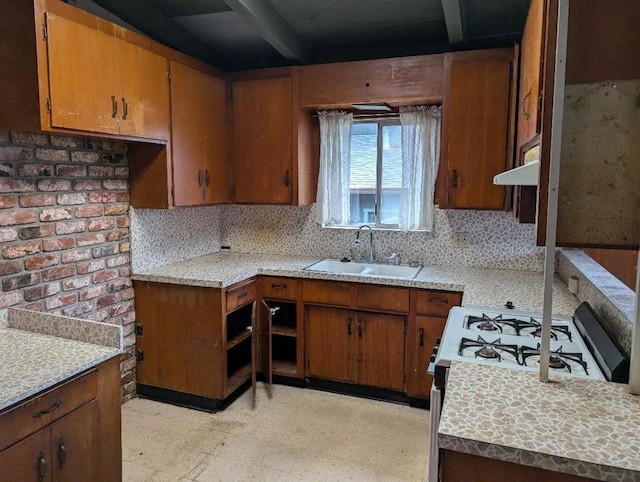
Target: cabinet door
(420,340)
(380,350)
(29,460)
(73,444)
(531,67)
(331,343)
(182,338)
(143,92)
(82,77)
(475,130)
(262,141)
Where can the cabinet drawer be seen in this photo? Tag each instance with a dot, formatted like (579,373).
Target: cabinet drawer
(436,303)
(241,295)
(41,411)
(384,298)
(326,292)
(279,288)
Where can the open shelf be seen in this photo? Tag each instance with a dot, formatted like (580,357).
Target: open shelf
(238,321)
(238,377)
(285,368)
(283,330)
(238,339)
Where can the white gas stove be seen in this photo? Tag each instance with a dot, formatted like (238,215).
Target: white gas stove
(511,339)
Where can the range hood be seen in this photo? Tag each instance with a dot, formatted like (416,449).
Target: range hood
(525,175)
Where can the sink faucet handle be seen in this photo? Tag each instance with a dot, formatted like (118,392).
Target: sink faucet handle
(394,258)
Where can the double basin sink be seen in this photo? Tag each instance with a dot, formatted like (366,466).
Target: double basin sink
(337,266)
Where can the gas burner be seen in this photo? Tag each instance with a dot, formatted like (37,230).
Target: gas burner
(555,330)
(557,358)
(488,350)
(485,322)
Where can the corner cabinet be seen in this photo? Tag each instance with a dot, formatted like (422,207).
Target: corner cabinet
(195,345)
(74,73)
(70,432)
(477,129)
(273,140)
(199,137)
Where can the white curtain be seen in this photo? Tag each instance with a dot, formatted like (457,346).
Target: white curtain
(420,159)
(335,157)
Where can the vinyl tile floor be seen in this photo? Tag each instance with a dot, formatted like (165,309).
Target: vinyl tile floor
(288,434)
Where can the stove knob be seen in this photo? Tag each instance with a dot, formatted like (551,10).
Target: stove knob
(432,359)
(435,350)
(438,340)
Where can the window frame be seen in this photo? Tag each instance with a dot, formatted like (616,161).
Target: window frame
(381,122)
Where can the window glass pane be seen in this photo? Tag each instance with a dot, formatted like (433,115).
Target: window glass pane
(391,175)
(362,186)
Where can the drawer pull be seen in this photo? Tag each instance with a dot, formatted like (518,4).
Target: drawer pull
(349,321)
(62,454)
(279,286)
(42,465)
(360,327)
(125,109)
(243,295)
(438,300)
(56,405)
(421,336)
(114,106)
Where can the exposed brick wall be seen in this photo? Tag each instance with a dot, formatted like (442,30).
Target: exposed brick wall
(64,231)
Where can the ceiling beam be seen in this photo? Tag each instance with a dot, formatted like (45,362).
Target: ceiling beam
(273,28)
(145,16)
(453,19)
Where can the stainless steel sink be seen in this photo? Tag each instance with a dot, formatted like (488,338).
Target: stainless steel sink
(365,269)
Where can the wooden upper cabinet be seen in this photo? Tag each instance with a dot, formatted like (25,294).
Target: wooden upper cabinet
(99,83)
(530,95)
(274,141)
(83,79)
(70,72)
(144,92)
(199,139)
(262,127)
(476,128)
(399,81)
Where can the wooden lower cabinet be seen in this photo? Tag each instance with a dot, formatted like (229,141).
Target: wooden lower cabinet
(461,467)
(355,347)
(195,345)
(421,338)
(70,439)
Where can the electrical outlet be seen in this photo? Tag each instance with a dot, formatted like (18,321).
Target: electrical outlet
(460,240)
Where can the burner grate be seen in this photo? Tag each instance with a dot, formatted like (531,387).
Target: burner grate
(488,350)
(558,359)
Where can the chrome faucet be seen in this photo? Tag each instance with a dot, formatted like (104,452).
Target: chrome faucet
(393,259)
(370,239)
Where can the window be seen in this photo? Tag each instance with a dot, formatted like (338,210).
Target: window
(375,173)
(379,172)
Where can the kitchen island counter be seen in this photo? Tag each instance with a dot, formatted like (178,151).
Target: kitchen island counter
(582,427)
(480,287)
(39,350)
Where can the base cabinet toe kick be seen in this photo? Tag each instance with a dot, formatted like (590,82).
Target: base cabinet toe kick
(202,346)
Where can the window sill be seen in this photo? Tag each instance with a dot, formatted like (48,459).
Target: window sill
(375,228)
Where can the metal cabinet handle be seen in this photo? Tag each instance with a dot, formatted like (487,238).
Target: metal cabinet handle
(62,454)
(349,321)
(454,176)
(526,115)
(287,178)
(438,300)
(199,178)
(125,109)
(207,179)
(114,106)
(421,337)
(56,405)
(279,286)
(42,465)
(360,327)
(242,295)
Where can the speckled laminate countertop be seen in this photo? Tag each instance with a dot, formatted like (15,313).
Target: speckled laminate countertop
(39,350)
(583,427)
(481,287)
